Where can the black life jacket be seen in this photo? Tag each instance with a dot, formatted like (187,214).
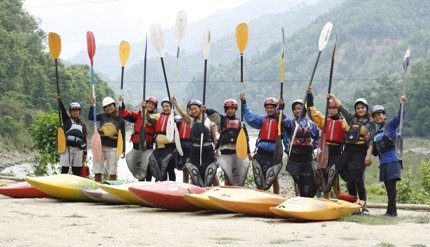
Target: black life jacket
(230,127)
(383,142)
(198,128)
(75,134)
(356,133)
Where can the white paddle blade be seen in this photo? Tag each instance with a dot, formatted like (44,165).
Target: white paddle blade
(206,44)
(324,36)
(406,60)
(181,25)
(157,37)
(283,42)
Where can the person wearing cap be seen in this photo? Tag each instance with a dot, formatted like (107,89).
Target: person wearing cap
(110,126)
(137,161)
(335,134)
(235,169)
(265,172)
(201,164)
(357,152)
(302,137)
(76,139)
(162,161)
(384,147)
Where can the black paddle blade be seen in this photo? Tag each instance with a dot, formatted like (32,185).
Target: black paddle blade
(142,139)
(279,151)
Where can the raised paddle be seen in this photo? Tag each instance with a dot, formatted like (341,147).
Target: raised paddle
(279,151)
(399,138)
(96,142)
(142,134)
(124,53)
(157,39)
(322,43)
(54,41)
(241,40)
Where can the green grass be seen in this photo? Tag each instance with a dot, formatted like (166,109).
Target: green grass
(370,219)
(349,238)
(385,244)
(279,241)
(226,240)
(74,215)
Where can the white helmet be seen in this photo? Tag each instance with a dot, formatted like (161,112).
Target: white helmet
(362,101)
(74,105)
(107,101)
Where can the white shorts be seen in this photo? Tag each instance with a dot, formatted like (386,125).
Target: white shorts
(109,158)
(71,157)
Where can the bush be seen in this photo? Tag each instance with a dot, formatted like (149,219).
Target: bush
(425,173)
(408,191)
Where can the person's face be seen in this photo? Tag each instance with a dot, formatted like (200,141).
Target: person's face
(109,109)
(333,111)
(194,111)
(74,113)
(150,106)
(360,110)
(378,117)
(270,109)
(166,107)
(297,110)
(230,111)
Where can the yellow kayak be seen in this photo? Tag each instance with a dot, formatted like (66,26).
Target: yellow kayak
(63,186)
(248,201)
(202,200)
(121,191)
(315,209)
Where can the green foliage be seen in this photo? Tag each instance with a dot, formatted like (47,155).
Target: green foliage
(408,191)
(43,132)
(425,176)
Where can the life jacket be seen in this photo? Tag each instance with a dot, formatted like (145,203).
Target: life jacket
(198,128)
(334,131)
(149,132)
(229,130)
(269,130)
(161,124)
(356,133)
(383,142)
(109,126)
(184,131)
(303,138)
(75,134)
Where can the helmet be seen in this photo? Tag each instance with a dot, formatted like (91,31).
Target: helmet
(194,102)
(332,104)
(153,100)
(74,105)
(107,101)
(295,102)
(270,101)
(230,103)
(362,101)
(378,109)
(166,100)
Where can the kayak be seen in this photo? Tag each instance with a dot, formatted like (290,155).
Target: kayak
(63,186)
(121,192)
(21,190)
(102,196)
(168,195)
(248,201)
(315,209)
(202,200)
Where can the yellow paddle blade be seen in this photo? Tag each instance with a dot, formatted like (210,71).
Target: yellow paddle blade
(61,140)
(124,52)
(119,145)
(54,41)
(242,36)
(241,145)
(281,69)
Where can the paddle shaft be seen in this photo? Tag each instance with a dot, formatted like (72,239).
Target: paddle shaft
(402,105)
(310,83)
(93,85)
(58,91)
(165,77)
(204,81)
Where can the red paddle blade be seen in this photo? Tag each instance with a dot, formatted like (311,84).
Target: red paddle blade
(347,197)
(91,46)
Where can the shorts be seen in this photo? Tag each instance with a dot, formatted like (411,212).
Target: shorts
(109,158)
(72,157)
(390,171)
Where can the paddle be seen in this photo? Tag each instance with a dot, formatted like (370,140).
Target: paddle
(54,41)
(124,53)
(399,138)
(279,151)
(241,40)
(96,142)
(322,42)
(142,133)
(157,39)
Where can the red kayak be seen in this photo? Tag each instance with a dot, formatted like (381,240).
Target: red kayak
(21,190)
(168,195)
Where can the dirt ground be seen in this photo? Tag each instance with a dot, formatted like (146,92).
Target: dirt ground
(48,222)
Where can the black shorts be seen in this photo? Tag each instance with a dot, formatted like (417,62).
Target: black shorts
(390,171)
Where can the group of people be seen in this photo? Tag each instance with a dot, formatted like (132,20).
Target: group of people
(198,140)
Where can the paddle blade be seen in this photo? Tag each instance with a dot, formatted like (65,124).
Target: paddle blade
(398,144)
(124,52)
(279,151)
(61,140)
(91,46)
(324,36)
(96,145)
(119,145)
(206,42)
(181,25)
(142,133)
(241,145)
(157,37)
(170,129)
(54,41)
(406,60)
(242,36)
(322,153)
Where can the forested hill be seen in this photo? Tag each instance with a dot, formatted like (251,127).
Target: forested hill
(373,37)
(27,76)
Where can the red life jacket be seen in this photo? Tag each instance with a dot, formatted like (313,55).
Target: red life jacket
(149,132)
(334,131)
(269,130)
(303,138)
(161,124)
(184,131)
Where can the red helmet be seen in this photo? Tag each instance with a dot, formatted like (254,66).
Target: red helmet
(230,103)
(270,101)
(332,104)
(153,100)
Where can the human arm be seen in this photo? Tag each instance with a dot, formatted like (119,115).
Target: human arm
(254,120)
(179,109)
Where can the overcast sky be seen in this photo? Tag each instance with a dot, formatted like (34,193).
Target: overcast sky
(115,20)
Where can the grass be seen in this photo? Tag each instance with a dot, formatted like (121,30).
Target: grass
(370,219)
(385,244)
(349,238)
(279,241)
(74,215)
(226,240)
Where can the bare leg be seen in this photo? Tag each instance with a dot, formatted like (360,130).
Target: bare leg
(185,176)
(276,188)
(112,177)
(98,177)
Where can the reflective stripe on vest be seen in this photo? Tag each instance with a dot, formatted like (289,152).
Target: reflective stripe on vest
(184,131)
